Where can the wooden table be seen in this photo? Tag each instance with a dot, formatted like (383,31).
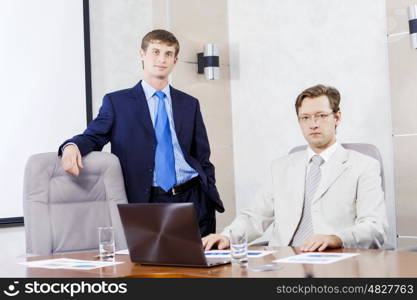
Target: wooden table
(370,263)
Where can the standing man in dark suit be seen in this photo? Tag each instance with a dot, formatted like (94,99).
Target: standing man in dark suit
(158,134)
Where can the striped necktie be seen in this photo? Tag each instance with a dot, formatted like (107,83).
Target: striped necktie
(305,227)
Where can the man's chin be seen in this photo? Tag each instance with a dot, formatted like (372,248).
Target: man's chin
(161,76)
(315,140)
(316,143)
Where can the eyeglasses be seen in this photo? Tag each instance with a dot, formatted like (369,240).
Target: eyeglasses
(318,117)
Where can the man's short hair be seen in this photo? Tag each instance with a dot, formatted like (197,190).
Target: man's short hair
(162,36)
(319,90)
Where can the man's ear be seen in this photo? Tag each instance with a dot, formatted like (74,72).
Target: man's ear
(175,59)
(338,117)
(141,53)
(141,56)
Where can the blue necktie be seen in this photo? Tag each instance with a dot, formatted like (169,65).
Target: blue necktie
(164,156)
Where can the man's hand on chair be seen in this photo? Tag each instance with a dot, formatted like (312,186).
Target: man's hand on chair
(71,160)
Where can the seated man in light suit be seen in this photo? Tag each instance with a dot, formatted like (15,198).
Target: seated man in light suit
(324,197)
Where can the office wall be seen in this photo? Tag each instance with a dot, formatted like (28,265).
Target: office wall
(403,74)
(279,48)
(117,28)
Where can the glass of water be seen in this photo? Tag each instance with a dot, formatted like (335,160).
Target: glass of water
(238,247)
(106,243)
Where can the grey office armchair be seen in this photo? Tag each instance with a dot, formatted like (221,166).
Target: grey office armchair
(62,212)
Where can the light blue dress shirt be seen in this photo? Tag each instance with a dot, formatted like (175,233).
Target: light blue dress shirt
(183,170)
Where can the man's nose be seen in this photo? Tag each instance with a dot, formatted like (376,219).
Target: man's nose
(161,58)
(314,123)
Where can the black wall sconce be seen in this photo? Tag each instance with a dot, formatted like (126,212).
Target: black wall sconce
(208,62)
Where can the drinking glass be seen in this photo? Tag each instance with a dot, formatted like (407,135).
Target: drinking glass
(106,243)
(238,247)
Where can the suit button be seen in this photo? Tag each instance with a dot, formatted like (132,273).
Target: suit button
(150,170)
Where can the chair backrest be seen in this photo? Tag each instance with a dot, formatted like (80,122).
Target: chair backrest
(366,149)
(62,213)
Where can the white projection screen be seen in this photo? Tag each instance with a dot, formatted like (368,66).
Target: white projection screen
(42,86)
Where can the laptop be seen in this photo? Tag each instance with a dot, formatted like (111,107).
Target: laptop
(165,234)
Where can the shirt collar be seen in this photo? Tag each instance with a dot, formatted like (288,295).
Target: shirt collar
(326,154)
(150,91)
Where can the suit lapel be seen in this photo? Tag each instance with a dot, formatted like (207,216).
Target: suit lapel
(331,171)
(142,109)
(297,175)
(178,110)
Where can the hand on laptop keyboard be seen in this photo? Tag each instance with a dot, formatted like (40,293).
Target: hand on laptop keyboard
(211,240)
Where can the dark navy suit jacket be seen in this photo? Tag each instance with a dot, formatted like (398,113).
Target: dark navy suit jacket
(125,121)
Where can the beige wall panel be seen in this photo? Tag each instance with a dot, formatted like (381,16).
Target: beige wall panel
(406,243)
(405,149)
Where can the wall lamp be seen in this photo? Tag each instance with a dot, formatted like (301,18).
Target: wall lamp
(208,62)
(412,24)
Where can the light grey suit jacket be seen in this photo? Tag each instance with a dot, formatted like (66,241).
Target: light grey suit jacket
(349,201)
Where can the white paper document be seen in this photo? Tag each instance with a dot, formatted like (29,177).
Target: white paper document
(68,263)
(316,258)
(226,253)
